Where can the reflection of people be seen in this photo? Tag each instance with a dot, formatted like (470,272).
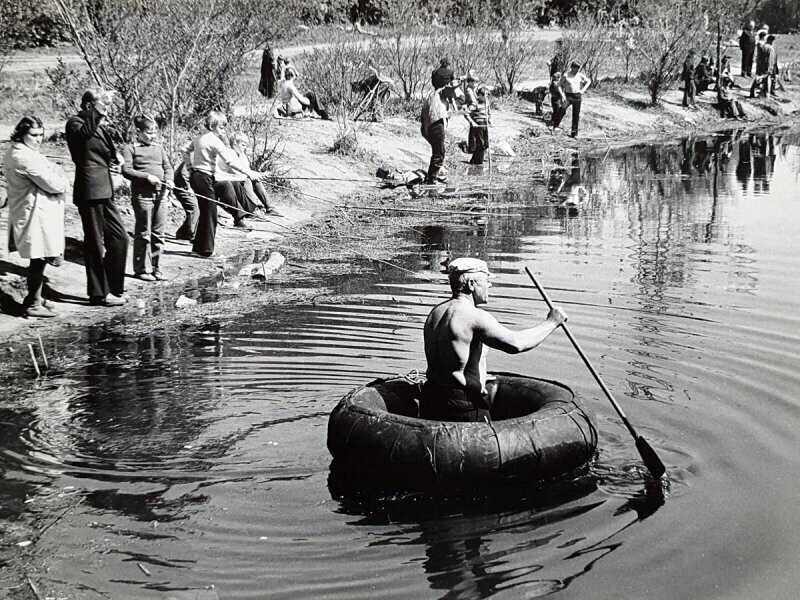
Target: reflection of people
(105,240)
(35,209)
(455,334)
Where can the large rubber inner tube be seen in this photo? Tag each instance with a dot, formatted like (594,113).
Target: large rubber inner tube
(539,429)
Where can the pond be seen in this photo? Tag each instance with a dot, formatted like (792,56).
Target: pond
(194,465)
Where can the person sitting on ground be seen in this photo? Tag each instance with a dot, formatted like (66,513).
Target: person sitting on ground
(434,122)
(455,334)
(36,196)
(729,106)
(294,104)
(573,84)
(148,168)
(202,154)
(702,76)
(250,193)
(557,96)
(478,118)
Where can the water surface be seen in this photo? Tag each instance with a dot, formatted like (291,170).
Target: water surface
(201,455)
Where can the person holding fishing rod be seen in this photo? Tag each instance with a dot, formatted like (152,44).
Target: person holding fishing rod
(201,154)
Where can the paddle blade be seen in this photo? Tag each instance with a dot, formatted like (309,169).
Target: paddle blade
(650,458)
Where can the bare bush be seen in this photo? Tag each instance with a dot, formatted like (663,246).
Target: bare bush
(668,31)
(175,58)
(588,42)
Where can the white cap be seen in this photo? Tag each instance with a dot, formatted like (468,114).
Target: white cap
(468,265)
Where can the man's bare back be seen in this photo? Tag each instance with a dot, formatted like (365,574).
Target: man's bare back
(457,334)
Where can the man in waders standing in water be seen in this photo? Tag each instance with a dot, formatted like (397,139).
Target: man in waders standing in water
(456,333)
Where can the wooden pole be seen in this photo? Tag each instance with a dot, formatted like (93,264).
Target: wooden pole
(35,362)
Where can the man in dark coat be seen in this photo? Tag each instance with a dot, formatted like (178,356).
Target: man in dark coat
(105,241)
(266,85)
(747,44)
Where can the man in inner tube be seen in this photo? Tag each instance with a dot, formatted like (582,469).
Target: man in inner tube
(456,335)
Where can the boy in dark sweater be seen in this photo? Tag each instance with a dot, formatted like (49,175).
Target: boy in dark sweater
(148,168)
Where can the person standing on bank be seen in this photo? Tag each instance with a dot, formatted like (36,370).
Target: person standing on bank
(202,154)
(105,240)
(434,122)
(747,44)
(150,172)
(687,76)
(456,334)
(36,190)
(574,84)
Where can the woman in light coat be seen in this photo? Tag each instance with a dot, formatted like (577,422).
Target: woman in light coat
(36,189)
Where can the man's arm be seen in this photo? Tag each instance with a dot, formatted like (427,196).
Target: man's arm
(586,84)
(495,335)
(80,129)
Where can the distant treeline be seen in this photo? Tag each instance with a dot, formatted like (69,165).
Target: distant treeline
(36,23)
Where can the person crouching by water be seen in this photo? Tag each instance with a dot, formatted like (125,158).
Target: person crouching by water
(36,189)
(148,168)
(202,154)
(456,333)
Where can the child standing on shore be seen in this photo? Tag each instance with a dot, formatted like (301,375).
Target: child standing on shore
(478,118)
(148,168)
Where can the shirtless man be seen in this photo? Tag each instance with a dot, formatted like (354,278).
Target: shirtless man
(456,333)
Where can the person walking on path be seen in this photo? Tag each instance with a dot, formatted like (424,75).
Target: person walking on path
(747,44)
(574,84)
(36,189)
(202,153)
(148,168)
(457,334)
(105,240)
(687,76)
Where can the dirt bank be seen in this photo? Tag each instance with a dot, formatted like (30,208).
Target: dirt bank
(612,115)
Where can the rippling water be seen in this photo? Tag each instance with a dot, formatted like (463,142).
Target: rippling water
(202,457)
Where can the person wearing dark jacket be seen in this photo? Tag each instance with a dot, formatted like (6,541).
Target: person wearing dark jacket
(747,44)
(105,240)
(268,83)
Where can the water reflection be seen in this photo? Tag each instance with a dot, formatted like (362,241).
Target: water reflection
(478,545)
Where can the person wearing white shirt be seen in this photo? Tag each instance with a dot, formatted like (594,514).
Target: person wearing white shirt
(573,85)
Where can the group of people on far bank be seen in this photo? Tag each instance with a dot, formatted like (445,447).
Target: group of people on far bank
(467,94)
(212,173)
